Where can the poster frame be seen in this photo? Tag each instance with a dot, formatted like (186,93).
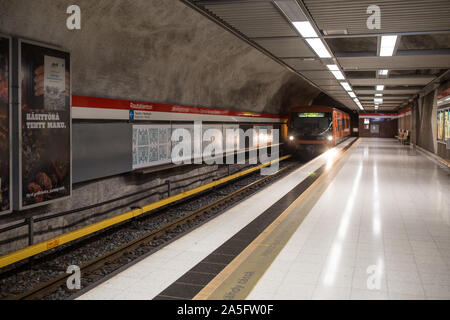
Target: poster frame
(19,119)
(10,94)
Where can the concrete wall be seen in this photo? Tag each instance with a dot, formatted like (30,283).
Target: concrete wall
(157,51)
(426,119)
(427,122)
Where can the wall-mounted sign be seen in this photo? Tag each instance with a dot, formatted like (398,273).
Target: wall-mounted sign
(45,158)
(5,125)
(311,115)
(366,121)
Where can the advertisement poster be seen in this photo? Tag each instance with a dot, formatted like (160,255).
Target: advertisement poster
(447,124)
(440,126)
(45,128)
(5,154)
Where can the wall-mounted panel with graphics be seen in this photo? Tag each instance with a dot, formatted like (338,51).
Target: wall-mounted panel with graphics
(44,125)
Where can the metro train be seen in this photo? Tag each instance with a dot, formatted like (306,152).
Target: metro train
(314,129)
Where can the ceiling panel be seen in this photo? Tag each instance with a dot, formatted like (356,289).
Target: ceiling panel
(252,18)
(300,64)
(396,91)
(409,81)
(396,15)
(283,48)
(395,62)
(316,75)
(324,82)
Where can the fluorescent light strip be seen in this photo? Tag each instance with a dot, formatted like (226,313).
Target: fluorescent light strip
(305,28)
(319,47)
(380,87)
(338,75)
(387,46)
(383,72)
(378,100)
(352,94)
(378,94)
(346,86)
(332,67)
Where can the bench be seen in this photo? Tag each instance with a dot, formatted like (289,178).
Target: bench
(403,136)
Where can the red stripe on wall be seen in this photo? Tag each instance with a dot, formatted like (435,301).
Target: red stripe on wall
(104,103)
(379,114)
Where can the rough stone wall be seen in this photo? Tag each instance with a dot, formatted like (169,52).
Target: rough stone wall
(147,50)
(158,51)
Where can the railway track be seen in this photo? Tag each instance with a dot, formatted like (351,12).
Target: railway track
(98,268)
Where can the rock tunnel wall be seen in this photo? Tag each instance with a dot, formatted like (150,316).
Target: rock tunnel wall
(146,50)
(157,51)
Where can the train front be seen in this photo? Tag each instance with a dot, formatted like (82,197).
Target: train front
(310,133)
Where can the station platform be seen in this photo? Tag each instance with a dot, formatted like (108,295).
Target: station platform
(366,220)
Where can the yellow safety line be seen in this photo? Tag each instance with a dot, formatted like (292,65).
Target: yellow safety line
(215,283)
(27,252)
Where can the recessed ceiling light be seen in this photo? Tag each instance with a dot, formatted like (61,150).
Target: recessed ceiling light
(346,86)
(352,94)
(305,28)
(380,87)
(338,75)
(378,100)
(332,67)
(383,72)
(319,47)
(387,45)
(378,94)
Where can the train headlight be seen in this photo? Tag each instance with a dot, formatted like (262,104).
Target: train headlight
(330,138)
(291,138)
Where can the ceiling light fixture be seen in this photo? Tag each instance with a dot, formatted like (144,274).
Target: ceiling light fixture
(338,75)
(305,28)
(332,67)
(346,86)
(318,47)
(378,94)
(352,94)
(383,72)
(387,46)
(378,100)
(380,87)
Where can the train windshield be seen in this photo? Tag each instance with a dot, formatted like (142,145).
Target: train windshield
(310,124)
